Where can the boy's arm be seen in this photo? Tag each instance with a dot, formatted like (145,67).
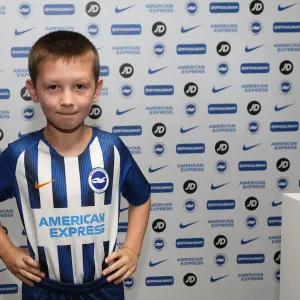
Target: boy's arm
(5,242)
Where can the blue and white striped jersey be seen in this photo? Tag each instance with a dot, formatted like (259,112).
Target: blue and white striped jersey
(69,206)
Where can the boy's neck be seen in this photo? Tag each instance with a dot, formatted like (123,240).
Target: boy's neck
(68,144)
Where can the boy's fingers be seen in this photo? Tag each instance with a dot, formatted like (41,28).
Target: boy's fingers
(118,274)
(26,281)
(29,276)
(29,261)
(34,271)
(115,266)
(124,277)
(113,256)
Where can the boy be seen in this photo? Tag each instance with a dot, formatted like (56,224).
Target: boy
(67,179)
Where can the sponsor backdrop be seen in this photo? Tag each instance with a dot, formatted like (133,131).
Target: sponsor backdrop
(204,94)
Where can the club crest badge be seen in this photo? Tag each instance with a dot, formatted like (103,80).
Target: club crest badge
(98,180)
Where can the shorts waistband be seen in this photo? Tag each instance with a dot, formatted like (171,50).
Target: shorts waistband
(67,287)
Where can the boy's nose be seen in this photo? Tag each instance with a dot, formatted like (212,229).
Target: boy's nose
(66,99)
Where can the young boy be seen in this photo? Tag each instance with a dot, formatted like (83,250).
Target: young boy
(67,179)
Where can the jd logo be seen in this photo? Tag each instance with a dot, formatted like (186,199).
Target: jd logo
(159,129)
(95,112)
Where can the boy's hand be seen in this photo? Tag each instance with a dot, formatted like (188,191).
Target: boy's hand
(126,265)
(21,265)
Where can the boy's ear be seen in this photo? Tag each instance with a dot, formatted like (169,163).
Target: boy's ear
(31,89)
(98,90)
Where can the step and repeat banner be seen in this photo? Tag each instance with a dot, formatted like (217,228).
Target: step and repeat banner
(205,96)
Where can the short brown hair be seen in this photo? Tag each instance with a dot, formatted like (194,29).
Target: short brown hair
(61,44)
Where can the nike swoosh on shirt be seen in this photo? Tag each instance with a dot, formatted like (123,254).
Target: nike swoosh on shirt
(244,242)
(23,31)
(20,135)
(184,30)
(157,169)
(150,71)
(274,204)
(119,10)
(214,90)
(217,279)
(151,264)
(277,108)
(121,112)
(188,129)
(215,187)
(282,8)
(3,270)
(182,226)
(123,209)
(245,148)
(38,186)
(252,49)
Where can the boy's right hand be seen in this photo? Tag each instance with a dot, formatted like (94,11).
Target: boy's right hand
(21,265)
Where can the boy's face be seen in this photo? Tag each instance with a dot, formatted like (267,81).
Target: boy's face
(65,91)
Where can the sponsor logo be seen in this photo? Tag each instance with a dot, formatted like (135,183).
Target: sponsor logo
(159,281)
(220,241)
(1,134)
(59,9)
(182,226)
(162,206)
(221,7)
(192,8)
(159,29)
(159,225)
(255,68)
(250,49)
(190,186)
(187,129)
(190,279)
(256,7)
(215,187)
(190,148)
(190,205)
(38,186)
(250,259)
(212,279)
(93,30)
(283,164)
(191,109)
(185,30)
(253,184)
(191,49)
(245,242)
(220,260)
(122,226)
(25,9)
(127,50)
(19,52)
(247,148)
(159,49)
(256,28)
(95,112)
(190,261)
(98,180)
(284,126)
(251,203)
(191,69)
(191,89)
(119,10)
(126,29)
(253,127)
(159,8)
(228,108)
(8,289)
(159,149)
(194,167)
(274,221)
(275,239)
(150,71)
(255,165)
(4,94)
(251,222)
(223,68)
(56,28)
(25,94)
(17,32)
(287,47)
(126,90)
(215,90)
(6,213)
(221,166)
(285,87)
(279,108)
(277,257)
(129,283)
(126,70)
(286,67)
(159,244)
(220,204)
(159,129)
(251,276)
(221,147)
(190,243)
(255,88)
(135,150)
(159,90)
(122,112)
(156,169)
(223,48)
(217,223)
(2,10)
(28,113)
(286,27)
(277,275)
(229,128)
(167,187)
(127,130)
(274,204)
(123,209)
(93,9)
(151,264)
(20,135)
(282,8)
(2,270)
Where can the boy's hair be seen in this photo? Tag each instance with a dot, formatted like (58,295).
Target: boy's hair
(61,44)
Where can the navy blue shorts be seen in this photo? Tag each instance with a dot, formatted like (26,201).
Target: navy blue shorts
(49,289)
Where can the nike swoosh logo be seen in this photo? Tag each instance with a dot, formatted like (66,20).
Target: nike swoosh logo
(3,270)
(244,242)
(151,264)
(282,8)
(38,186)
(20,135)
(184,30)
(100,48)
(252,49)
(245,148)
(277,108)
(23,31)
(217,279)
(274,204)
(121,112)
(119,10)
(123,209)
(155,71)
(155,170)
(188,129)
(214,90)
(182,226)
(215,187)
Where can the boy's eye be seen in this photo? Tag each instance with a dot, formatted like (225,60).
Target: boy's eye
(52,87)
(79,86)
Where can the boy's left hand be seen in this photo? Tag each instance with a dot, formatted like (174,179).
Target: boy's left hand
(126,265)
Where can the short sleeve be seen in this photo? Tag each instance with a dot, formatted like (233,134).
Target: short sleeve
(134,186)
(7,177)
